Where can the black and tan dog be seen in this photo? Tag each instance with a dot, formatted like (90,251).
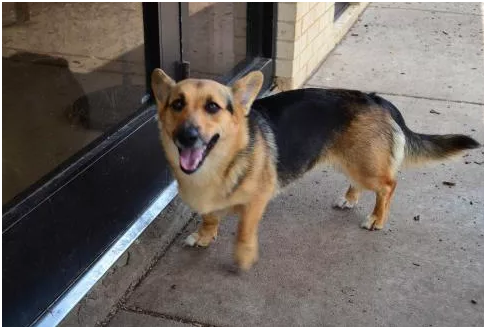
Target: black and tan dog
(232,154)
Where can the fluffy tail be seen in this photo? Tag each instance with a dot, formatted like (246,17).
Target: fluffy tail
(420,148)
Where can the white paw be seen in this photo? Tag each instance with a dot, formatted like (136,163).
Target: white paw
(342,203)
(191,240)
(197,240)
(371,223)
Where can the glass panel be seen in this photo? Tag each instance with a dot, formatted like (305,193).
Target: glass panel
(70,71)
(217,37)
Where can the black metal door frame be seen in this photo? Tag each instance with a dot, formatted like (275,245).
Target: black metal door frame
(58,231)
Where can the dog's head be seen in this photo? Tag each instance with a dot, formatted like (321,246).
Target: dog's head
(201,119)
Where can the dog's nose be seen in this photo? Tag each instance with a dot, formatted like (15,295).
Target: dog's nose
(187,135)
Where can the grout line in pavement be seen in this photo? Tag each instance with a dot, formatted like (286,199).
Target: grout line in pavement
(429,10)
(120,304)
(138,310)
(403,95)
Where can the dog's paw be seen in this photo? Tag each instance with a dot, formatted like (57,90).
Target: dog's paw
(197,240)
(246,255)
(342,203)
(372,223)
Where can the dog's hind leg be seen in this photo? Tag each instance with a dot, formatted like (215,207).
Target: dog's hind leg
(384,193)
(350,199)
(207,232)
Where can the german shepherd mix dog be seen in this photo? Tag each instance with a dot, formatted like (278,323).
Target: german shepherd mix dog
(231,153)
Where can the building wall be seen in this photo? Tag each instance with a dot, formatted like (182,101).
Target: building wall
(306,34)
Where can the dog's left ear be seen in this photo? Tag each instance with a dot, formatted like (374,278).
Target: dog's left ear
(161,85)
(246,90)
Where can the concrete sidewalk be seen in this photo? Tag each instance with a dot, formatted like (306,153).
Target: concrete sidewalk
(317,267)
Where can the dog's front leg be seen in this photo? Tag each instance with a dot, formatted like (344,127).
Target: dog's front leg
(207,232)
(246,251)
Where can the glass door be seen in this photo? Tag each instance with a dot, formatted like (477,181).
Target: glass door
(215,37)
(224,40)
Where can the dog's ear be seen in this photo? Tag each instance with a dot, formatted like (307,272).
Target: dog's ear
(161,85)
(246,90)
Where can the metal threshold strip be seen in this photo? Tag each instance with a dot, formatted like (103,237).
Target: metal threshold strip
(64,304)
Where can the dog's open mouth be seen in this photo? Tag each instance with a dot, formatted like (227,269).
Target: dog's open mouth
(191,158)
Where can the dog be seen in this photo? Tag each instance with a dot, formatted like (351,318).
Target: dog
(232,153)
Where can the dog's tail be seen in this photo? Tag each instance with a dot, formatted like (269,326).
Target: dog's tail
(422,148)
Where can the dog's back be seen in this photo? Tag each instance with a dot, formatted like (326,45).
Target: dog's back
(334,125)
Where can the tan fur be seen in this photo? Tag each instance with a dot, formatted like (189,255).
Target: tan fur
(363,152)
(239,175)
(211,189)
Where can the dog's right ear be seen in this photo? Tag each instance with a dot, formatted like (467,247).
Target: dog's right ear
(161,85)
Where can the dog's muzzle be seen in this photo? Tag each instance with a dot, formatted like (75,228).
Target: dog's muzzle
(192,147)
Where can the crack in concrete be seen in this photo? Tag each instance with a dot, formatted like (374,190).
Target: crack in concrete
(138,310)
(428,10)
(121,303)
(402,95)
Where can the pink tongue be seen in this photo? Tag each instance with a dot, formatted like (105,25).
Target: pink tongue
(190,158)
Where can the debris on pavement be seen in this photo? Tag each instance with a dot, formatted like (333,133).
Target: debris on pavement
(434,112)
(450,184)
(416,218)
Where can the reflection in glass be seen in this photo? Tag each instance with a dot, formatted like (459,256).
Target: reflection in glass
(217,37)
(70,71)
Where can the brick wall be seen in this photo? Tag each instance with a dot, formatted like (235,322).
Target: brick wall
(306,34)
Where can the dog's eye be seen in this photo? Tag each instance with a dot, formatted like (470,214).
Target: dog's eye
(212,107)
(177,105)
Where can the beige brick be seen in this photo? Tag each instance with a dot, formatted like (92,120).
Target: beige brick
(306,34)
(314,45)
(312,63)
(299,10)
(298,28)
(285,31)
(285,49)
(315,12)
(313,31)
(329,5)
(302,9)
(287,11)
(303,71)
(297,64)
(298,46)
(306,22)
(303,42)
(284,68)
(323,6)
(305,56)
(326,20)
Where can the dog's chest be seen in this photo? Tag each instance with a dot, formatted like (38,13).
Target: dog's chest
(210,198)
